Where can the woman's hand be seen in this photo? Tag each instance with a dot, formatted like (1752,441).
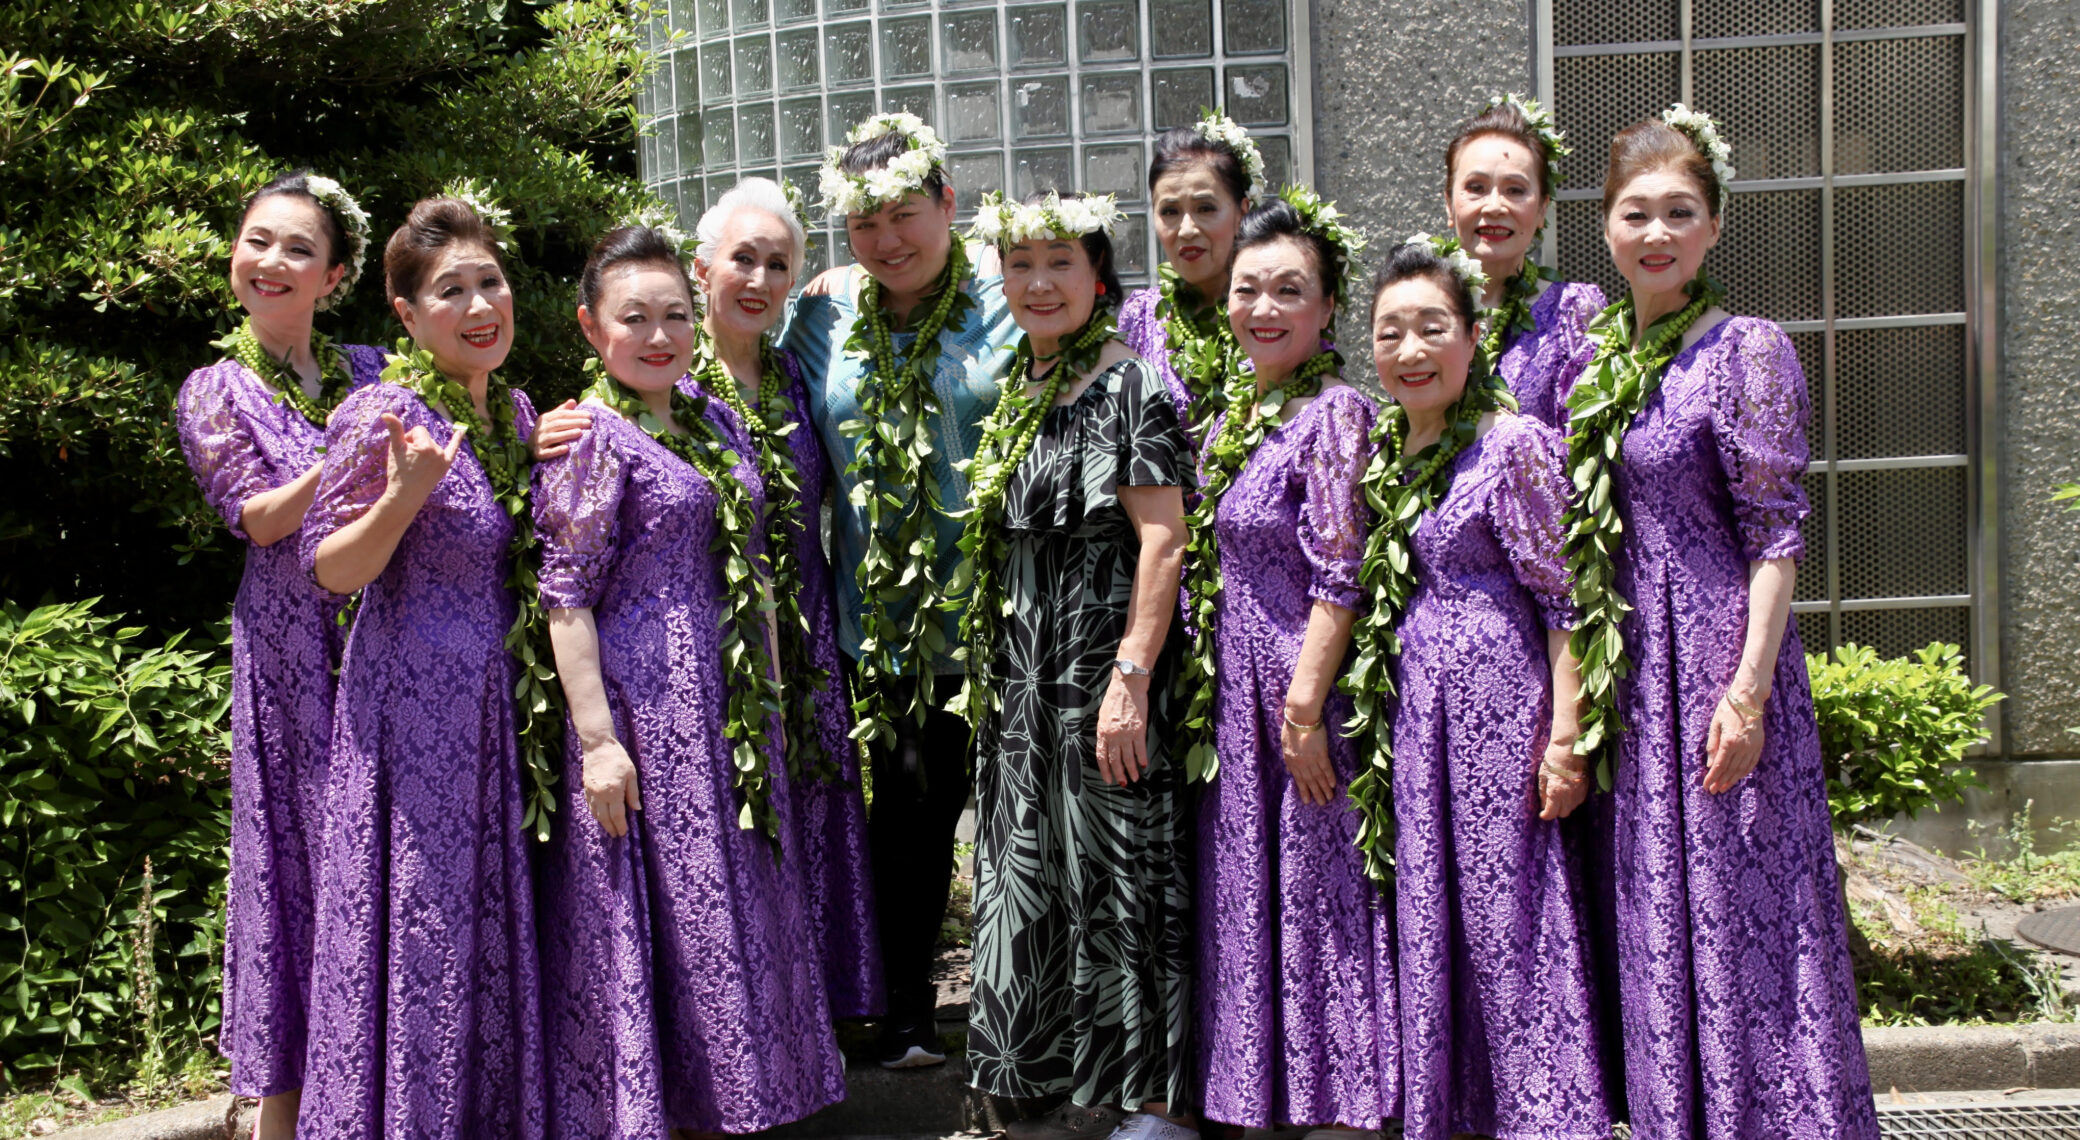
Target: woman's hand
(559,427)
(1306,753)
(1734,743)
(1123,730)
(610,786)
(417,463)
(1563,781)
(825,283)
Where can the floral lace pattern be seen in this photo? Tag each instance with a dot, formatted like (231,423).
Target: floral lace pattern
(682,988)
(425,965)
(1542,365)
(285,642)
(1142,329)
(1298,1016)
(1739,1009)
(1498,1021)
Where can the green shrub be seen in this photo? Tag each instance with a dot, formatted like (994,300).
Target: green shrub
(1894,732)
(113,791)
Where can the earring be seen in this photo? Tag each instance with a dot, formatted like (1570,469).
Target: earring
(1101,288)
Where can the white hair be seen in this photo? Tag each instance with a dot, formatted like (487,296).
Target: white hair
(749,194)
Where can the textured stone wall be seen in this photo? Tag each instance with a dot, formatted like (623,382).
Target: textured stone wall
(2040,381)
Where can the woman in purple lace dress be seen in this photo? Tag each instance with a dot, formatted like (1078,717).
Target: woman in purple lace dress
(424,990)
(1297,1010)
(682,986)
(1739,1008)
(1497,1016)
(255,453)
(751,231)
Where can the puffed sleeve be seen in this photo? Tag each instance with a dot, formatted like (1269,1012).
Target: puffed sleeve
(1577,308)
(220,448)
(577,515)
(364,364)
(1334,519)
(1759,415)
(1153,451)
(523,414)
(1526,504)
(356,467)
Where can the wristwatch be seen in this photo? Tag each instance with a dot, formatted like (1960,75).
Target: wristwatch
(1129,668)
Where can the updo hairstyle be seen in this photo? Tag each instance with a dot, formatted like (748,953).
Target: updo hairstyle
(762,194)
(1182,147)
(630,245)
(296,183)
(1505,119)
(1277,220)
(1420,259)
(879,151)
(1650,145)
(433,226)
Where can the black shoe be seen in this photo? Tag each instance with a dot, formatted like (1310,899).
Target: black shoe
(1069,1122)
(909,1046)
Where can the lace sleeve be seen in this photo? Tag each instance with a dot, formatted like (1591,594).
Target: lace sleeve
(356,468)
(221,451)
(1334,519)
(1581,305)
(577,513)
(1525,505)
(1759,415)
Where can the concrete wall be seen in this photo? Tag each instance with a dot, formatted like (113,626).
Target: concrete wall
(2040,381)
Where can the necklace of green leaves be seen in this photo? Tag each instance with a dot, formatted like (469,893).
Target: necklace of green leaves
(1007,438)
(508,462)
(1202,346)
(1618,382)
(769,425)
(1512,315)
(753,690)
(335,375)
(1400,487)
(897,490)
(1252,417)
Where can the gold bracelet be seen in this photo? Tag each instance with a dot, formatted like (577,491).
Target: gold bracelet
(1562,772)
(1291,723)
(1747,711)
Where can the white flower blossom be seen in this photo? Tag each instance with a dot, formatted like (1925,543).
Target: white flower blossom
(906,173)
(1223,131)
(354,221)
(1007,223)
(1704,132)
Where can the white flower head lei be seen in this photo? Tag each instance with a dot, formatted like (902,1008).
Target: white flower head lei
(1540,120)
(353,220)
(1464,267)
(1319,215)
(473,194)
(798,201)
(904,175)
(1004,224)
(1704,133)
(1222,131)
(657,216)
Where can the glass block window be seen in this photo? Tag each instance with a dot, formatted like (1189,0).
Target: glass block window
(1056,94)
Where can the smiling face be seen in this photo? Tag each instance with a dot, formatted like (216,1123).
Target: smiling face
(1659,230)
(1420,345)
(904,245)
(1495,204)
(1277,306)
(643,325)
(463,313)
(1196,219)
(755,265)
(1051,287)
(279,260)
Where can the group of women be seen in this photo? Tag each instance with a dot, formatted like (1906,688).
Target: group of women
(1446,758)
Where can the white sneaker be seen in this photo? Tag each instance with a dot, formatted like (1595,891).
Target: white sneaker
(1148,1126)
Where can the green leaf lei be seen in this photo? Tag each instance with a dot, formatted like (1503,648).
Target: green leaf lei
(1202,346)
(754,692)
(1618,382)
(900,495)
(1227,451)
(508,462)
(1007,437)
(335,374)
(1400,488)
(769,426)
(1512,316)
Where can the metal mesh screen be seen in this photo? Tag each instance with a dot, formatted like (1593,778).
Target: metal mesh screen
(1873,80)
(1899,249)
(1768,100)
(1859,14)
(1767,256)
(1902,392)
(1903,532)
(2053,1121)
(1710,19)
(1630,22)
(1599,97)
(1896,633)
(1811,584)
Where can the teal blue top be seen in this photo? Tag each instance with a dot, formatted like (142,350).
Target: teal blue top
(973,359)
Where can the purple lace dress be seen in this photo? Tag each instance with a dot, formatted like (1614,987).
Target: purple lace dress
(681,988)
(424,988)
(1142,329)
(1297,1011)
(240,441)
(1739,1009)
(1498,1026)
(831,818)
(1541,366)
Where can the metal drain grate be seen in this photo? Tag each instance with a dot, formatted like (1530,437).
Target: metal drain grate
(2060,1121)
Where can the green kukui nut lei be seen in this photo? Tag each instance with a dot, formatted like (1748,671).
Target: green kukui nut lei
(769,425)
(1513,316)
(335,374)
(1400,488)
(1007,437)
(754,693)
(1251,418)
(1202,347)
(1618,382)
(507,458)
(899,493)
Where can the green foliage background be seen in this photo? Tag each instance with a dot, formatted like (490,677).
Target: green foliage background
(1893,733)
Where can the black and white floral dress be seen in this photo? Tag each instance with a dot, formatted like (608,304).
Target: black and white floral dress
(1082,888)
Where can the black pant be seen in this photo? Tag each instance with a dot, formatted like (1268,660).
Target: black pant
(921,782)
